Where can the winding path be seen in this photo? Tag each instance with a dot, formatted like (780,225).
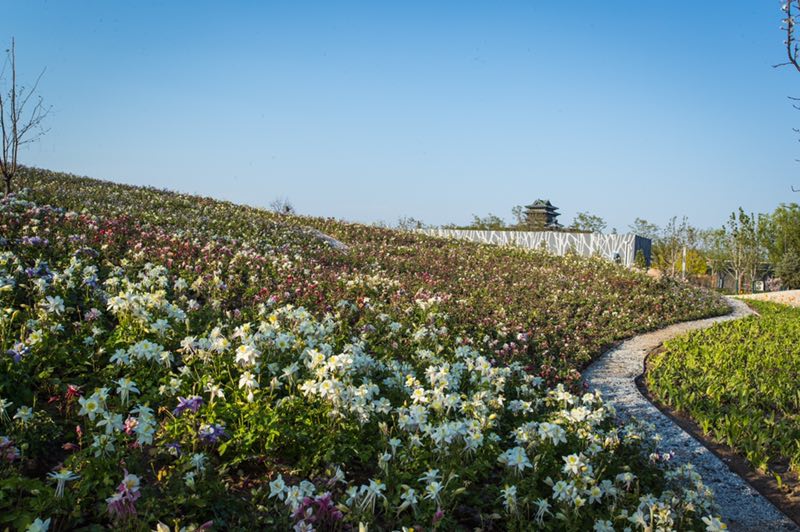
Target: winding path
(614,374)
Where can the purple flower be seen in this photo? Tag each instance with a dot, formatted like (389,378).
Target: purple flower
(192,403)
(323,512)
(35,241)
(123,503)
(211,433)
(89,252)
(174,448)
(18,351)
(8,452)
(40,270)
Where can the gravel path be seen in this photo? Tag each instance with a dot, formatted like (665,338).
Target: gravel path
(742,507)
(787,297)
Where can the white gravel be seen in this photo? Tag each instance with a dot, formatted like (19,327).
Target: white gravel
(787,297)
(614,373)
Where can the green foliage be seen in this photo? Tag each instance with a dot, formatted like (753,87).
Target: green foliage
(640,261)
(743,245)
(781,232)
(788,270)
(488,222)
(669,247)
(589,223)
(642,227)
(738,381)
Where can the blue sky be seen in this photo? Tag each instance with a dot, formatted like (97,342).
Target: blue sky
(436,110)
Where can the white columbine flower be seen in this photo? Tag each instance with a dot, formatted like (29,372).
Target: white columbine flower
(160,327)
(543,508)
(4,406)
(432,490)
(277,488)
(90,406)
(409,498)
(61,477)
(54,305)
(509,494)
(120,357)
(552,432)
(214,391)
(24,414)
(125,387)
(131,482)
(573,464)
(430,475)
(39,526)
(112,422)
(247,355)
(515,458)
(248,381)
(602,525)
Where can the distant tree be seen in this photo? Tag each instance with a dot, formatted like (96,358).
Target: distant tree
(696,262)
(714,246)
(678,249)
(588,222)
(644,228)
(488,222)
(518,212)
(788,270)
(282,206)
(780,231)
(22,113)
(743,247)
(675,239)
(639,260)
(408,223)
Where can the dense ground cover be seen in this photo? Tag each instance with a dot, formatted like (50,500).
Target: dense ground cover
(553,313)
(738,381)
(180,359)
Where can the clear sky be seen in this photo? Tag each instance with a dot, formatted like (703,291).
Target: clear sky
(437,110)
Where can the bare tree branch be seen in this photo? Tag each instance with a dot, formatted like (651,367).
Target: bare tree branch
(792,46)
(20,123)
(790,42)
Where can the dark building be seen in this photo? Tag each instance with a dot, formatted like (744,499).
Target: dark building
(541,214)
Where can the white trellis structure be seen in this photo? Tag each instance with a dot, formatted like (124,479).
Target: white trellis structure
(619,248)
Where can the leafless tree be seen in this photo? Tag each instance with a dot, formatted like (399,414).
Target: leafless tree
(790,9)
(21,115)
(789,23)
(282,206)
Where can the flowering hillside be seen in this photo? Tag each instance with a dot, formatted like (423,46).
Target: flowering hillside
(178,359)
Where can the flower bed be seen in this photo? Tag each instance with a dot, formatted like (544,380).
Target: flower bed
(738,381)
(215,363)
